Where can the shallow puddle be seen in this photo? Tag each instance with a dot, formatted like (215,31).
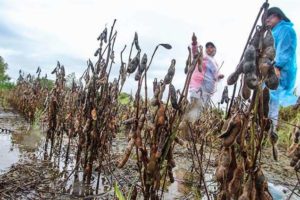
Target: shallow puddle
(16,138)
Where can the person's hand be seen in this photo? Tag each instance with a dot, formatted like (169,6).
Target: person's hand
(277,72)
(220,76)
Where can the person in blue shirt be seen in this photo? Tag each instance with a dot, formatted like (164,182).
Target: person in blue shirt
(285,61)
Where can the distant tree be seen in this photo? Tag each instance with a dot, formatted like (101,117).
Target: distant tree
(47,83)
(69,80)
(3,67)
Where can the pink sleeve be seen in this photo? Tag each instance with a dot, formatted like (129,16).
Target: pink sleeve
(197,77)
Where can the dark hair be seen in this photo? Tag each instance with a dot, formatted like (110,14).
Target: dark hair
(209,44)
(278,12)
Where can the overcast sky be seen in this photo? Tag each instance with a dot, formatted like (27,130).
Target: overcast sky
(41,32)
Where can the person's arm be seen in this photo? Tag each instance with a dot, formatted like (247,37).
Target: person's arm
(286,46)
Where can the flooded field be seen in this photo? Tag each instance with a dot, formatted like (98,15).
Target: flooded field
(22,151)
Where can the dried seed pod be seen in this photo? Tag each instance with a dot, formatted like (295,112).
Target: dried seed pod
(188,61)
(77,125)
(194,39)
(296,136)
(292,149)
(179,141)
(225,97)
(247,191)
(143,64)
(173,96)
(136,42)
(223,165)
(200,59)
(161,90)
(296,156)
(225,158)
(246,92)
(168,79)
(38,71)
(297,152)
(235,183)
(154,102)
(155,85)
(186,68)
(157,92)
(232,129)
(249,67)
(127,153)
(94,114)
(171,176)
(273,139)
(123,73)
(160,116)
(199,66)
(137,76)
(248,163)
(171,72)
(256,38)
(103,35)
(232,78)
(266,100)
(222,195)
(229,140)
(133,64)
(194,64)
(294,161)
(275,152)
(264,66)
(221,172)
(250,54)
(87,125)
(269,52)
(129,121)
(272,80)
(268,40)
(151,166)
(251,80)
(96,53)
(138,139)
(260,180)
(159,151)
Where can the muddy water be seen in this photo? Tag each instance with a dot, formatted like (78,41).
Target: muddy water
(23,139)
(8,154)
(18,138)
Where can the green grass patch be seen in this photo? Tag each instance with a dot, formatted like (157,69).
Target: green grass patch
(124,98)
(288,119)
(6,86)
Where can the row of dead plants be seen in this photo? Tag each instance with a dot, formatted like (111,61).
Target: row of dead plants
(82,120)
(87,115)
(29,95)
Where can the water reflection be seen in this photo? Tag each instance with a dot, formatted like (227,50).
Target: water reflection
(27,141)
(8,154)
(20,140)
